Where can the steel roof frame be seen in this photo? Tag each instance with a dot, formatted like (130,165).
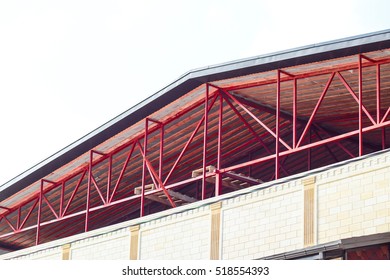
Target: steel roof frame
(215,98)
(162,183)
(316,52)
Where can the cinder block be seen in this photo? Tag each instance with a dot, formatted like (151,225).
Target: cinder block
(379,221)
(355,227)
(369,216)
(383,212)
(369,230)
(382,228)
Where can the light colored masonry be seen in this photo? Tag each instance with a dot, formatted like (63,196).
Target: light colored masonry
(344,200)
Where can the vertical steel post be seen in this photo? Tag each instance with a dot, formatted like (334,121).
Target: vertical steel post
(277,125)
(295,113)
(37,237)
(109,179)
(18,220)
(378,104)
(309,152)
(250,166)
(218,181)
(62,199)
(360,106)
(378,93)
(88,191)
(206,102)
(142,210)
(161,160)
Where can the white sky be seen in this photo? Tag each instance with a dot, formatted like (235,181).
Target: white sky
(67,67)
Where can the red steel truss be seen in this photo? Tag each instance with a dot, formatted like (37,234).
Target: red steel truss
(277,140)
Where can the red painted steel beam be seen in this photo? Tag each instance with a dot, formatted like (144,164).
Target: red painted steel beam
(360,106)
(28,215)
(39,214)
(218,185)
(378,93)
(161,158)
(62,198)
(18,219)
(268,109)
(88,192)
(188,142)
(50,206)
(109,180)
(154,174)
(385,115)
(256,119)
(352,93)
(142,206)
(291,118)
(316,109)
(258,138)
(277,125)
(73,193)
(309,152)
(98,190)
(338,143)
(205,127)
(295,113)
(305,147)
(121,173)
(284,72)
(14,229)
(368,59)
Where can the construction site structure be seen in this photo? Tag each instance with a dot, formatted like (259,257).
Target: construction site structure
(279,156)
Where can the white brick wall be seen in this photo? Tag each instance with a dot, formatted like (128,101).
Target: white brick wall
(263,223)
(48,254)
(180,236)
(354,200)
(110,246)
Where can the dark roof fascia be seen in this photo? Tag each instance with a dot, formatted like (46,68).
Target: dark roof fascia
(189,81)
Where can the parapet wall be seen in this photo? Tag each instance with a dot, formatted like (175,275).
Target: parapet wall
(344,200)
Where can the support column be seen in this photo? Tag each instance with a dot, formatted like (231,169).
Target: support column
(218,177)
(134,237)
(215,230)
(360,106)
(309,234)
(66,252)
(206,105)
(39,214)
(277,125)
(88,192)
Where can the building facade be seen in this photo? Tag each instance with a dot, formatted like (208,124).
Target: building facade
(281,156)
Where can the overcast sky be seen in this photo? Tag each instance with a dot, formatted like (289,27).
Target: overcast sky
(67,67)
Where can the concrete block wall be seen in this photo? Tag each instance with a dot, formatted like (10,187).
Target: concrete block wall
(109,246)
(344,200)
(179,236)
(354,199)
(54,253)
(263,223)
